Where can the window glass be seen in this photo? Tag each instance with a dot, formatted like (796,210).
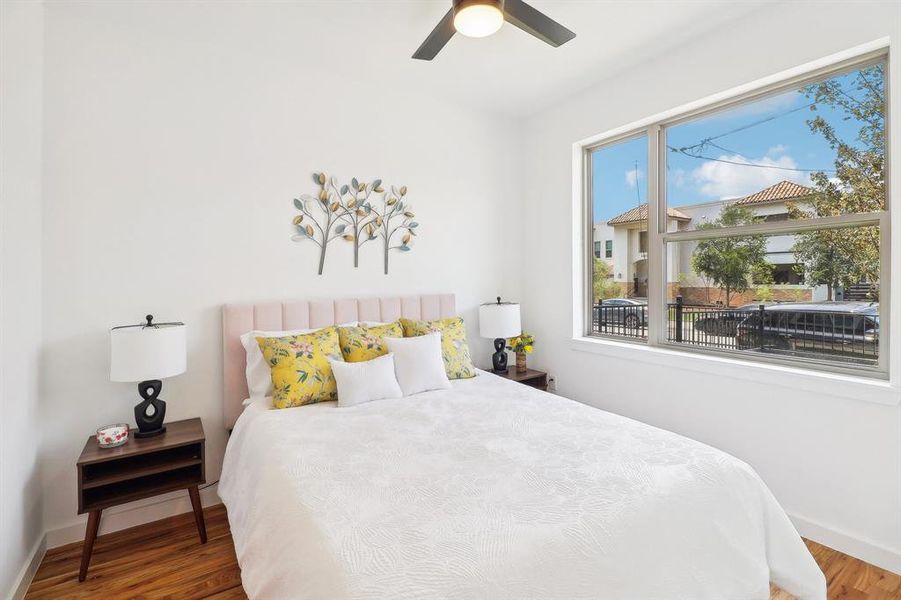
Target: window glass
(814,151)
(813,295)
(770,245)
(620,211)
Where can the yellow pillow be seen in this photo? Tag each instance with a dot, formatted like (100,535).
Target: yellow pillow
(301,373)
(365,342)
(454,349)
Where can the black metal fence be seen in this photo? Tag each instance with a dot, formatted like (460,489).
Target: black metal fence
(625,320)
(841,336)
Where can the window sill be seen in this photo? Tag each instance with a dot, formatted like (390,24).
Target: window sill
(831,384)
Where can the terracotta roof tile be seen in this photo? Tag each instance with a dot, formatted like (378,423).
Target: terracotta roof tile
(640,213)
(784,190)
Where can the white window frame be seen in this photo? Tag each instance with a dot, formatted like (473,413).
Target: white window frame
(655,130)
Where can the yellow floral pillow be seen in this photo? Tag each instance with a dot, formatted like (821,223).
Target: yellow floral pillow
(454,349)
(365,342)
(301,373)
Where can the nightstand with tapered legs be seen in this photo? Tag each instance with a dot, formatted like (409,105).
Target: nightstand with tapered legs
(141,468)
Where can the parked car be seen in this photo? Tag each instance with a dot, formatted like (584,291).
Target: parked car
(724,321)
(631,313)
(848,329)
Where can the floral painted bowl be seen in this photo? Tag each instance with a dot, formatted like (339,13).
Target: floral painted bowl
(110,436)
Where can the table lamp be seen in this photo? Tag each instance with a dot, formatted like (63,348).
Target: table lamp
(499,320)
(147,353)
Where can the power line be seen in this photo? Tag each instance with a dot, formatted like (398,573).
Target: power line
(748,164)
(707,140)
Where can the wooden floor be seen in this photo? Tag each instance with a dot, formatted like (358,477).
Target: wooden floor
(166,560)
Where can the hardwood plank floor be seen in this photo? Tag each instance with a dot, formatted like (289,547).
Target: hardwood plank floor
(165,559)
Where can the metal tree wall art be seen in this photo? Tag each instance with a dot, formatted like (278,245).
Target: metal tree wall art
(320,229)
(394,218)
(357,209)
(346,211)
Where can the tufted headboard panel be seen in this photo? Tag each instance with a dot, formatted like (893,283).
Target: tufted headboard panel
(238,319)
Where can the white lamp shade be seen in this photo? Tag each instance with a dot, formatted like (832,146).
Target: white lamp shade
(143,353)
(499,320)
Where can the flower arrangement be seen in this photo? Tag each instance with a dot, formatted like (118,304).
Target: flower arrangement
(523,343)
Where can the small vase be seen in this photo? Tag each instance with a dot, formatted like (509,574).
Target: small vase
(521,362)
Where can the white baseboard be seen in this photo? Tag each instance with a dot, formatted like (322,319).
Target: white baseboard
(23,581)
(130,515)
(864,549)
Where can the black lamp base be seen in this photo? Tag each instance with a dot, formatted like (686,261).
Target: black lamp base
(150,413)
(499,358)
(147,434)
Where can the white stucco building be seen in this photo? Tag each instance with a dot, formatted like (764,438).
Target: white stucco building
(622,241)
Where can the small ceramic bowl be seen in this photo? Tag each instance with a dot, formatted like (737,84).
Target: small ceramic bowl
(110,436)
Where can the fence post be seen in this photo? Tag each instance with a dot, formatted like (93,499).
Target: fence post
(600,312)
(761,309)
(679,318)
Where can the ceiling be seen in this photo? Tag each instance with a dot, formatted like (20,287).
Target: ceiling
(515,73)
(368,43)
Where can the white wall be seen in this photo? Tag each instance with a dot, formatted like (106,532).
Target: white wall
(833,461)
(21,40)
(178,134)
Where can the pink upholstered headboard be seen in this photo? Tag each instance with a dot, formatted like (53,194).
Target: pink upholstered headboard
(238,319)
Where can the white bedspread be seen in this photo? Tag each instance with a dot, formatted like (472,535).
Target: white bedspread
(495,490)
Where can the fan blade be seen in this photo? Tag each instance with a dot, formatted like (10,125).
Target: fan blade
(442,33)
(537,23)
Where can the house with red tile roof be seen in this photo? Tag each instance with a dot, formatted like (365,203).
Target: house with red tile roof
(622,242)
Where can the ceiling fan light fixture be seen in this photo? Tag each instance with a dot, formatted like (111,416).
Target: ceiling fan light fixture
(478,18)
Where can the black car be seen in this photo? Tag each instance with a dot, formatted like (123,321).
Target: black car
(845,329)
(724,322)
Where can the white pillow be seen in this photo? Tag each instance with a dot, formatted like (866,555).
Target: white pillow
(365,381)
(418,363)
(259,376)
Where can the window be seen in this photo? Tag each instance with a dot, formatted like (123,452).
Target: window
(754,228)
(597,249)
(619,196)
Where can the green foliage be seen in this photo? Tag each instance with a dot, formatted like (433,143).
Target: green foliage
(842,257)
(764,293)
(602,282)
(730,262)
(762,273)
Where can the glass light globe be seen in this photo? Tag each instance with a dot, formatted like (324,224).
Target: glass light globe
(478,20)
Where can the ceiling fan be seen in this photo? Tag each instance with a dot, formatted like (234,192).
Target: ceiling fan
(481,18)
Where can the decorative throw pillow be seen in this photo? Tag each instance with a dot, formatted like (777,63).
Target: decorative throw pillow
(365,342)
(259,378)
(360,382)
(454,349)
(301,373)
(418,363)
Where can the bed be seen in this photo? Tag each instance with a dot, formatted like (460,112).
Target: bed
(490,489)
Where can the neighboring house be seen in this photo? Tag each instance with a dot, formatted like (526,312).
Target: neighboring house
(603,242)
(630,247)
(629,252)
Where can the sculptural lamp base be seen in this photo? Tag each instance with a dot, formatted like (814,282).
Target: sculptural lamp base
(150,413)
(499,358)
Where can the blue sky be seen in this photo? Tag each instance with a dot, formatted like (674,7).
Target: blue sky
(783,142)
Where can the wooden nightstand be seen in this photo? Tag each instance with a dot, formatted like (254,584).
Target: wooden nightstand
(532,377)
(139,469)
